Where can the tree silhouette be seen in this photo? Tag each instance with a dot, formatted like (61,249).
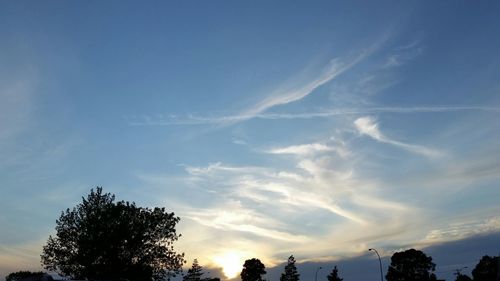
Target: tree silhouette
(334,275)
(194,273)
(487,269)
(462,277)
(19,275)
(290,273)
(411,265)
(102,239)
(253,270)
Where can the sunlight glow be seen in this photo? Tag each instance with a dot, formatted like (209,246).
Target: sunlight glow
(231,263)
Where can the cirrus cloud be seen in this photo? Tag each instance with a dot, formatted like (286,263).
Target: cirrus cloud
(368,126)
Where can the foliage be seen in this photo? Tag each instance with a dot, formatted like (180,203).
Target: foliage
(14,276)
(487,269)
(334,275)
(290,273)
(106,240)
(194,273)
(253,270)
(411,265)
(463,277)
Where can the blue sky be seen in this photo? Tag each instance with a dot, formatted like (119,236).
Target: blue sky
(318,129)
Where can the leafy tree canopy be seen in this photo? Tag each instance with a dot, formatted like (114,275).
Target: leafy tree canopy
(253,270)
(487,269)
(108,240)
(15,276)
(290,273)
(334,275)
(411,265)
(463,277)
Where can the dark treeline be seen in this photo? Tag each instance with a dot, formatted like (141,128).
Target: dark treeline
(101,239)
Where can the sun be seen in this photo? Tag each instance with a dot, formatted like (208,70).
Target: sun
(231,263)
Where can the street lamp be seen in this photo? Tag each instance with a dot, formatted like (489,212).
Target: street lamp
(316,275)
(379,262)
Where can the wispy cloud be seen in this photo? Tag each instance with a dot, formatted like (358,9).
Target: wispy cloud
(368,126)
(399,59)
(293,208)
(200,120)
(403,54)
(216,168)
(236,218)
(303,149)
(285,94)
(239,142)
(319,198)
(266,186)
(281,97)
(463,228)
(324,193)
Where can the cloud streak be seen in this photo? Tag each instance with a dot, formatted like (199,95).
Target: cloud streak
(367,126)
(403,54)
(303,149)
(282,97)
(236,218)
(213,120)
(319,198)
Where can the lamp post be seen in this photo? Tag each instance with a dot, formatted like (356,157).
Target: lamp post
(379,262)
(316,275)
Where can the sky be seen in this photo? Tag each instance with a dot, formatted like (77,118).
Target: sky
(313,128)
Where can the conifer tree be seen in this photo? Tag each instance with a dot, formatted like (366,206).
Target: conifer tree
(194,273)
(334,275)
(290,273)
